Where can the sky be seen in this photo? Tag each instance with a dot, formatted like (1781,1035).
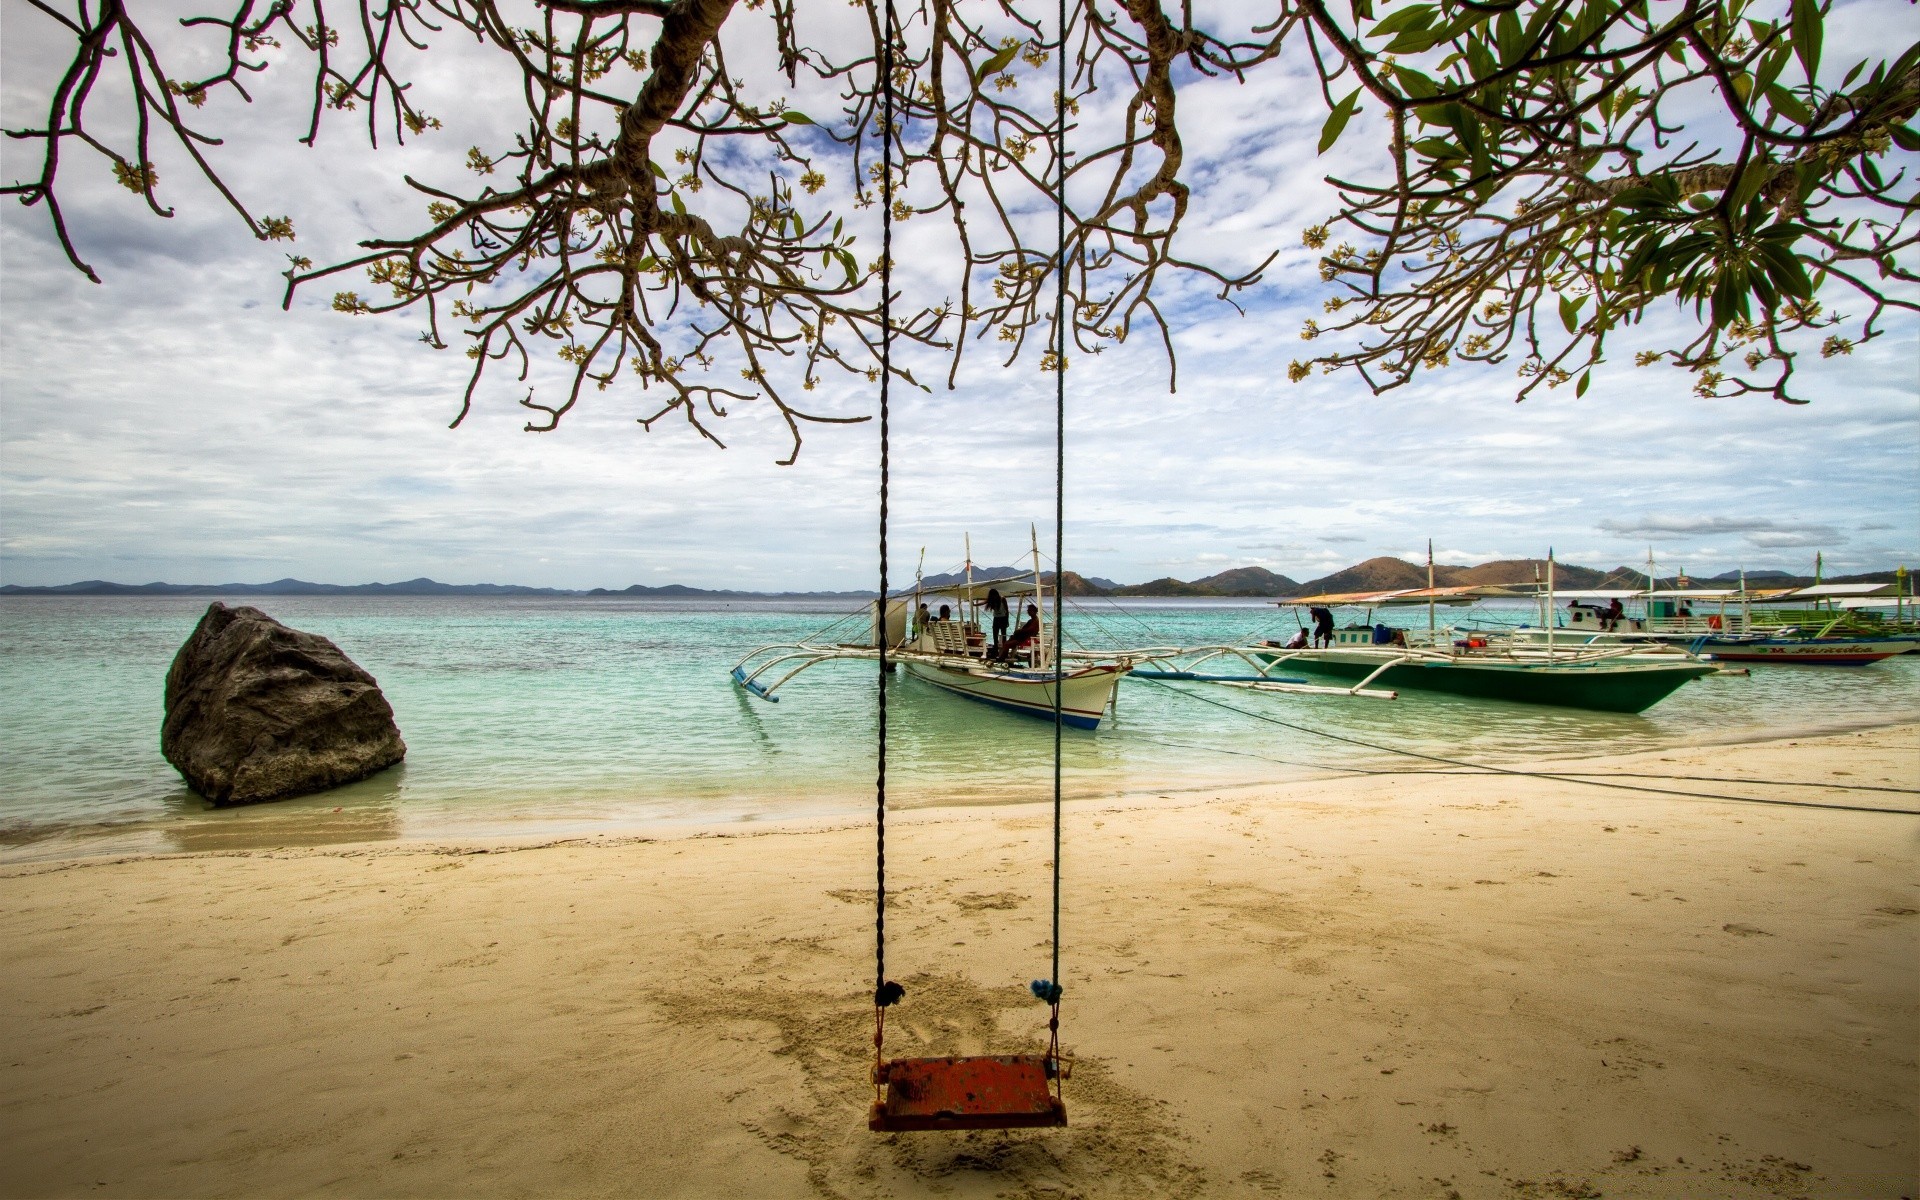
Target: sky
(173,423)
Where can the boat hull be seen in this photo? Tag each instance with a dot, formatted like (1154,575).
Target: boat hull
(1826,652)
(1602,686)
(1084,697)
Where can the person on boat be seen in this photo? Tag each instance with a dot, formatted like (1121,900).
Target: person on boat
(946,612)
(997,609)
(1029,629)
(1616,612)
(920,620)
(1322,626)
(1298,641)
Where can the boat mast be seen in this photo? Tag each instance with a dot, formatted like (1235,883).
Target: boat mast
(1746,607)
(1552,613)
(1430,617)
(919,573)
(966,539)
(1039,598)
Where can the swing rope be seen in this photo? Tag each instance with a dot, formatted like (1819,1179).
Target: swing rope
(1049,989)
(885,991)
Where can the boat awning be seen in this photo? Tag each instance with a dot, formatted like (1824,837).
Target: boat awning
(1836,591)
(1009,586)
(1584,594)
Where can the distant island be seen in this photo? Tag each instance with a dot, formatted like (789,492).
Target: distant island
(1374,575)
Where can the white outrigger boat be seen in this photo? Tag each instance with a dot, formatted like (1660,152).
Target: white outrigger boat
(952,652)
(1826,624)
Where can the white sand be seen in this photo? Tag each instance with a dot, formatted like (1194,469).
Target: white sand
(1397,986)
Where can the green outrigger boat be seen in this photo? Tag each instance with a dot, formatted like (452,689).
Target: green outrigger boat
(1615,680)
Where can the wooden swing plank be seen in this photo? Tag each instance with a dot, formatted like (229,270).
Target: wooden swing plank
(992,1092)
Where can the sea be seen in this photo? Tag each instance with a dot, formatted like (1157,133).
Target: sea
(576,717)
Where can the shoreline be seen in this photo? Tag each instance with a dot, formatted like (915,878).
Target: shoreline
(1400,985)
(303,821)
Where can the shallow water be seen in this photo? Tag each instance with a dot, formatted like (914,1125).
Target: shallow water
(562,717)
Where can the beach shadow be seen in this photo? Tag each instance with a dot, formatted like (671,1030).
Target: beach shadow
(1119,1141)
(366,811)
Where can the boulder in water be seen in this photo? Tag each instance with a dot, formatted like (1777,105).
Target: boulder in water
(258,711)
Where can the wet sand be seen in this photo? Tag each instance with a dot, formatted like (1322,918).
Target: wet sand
(1398,985)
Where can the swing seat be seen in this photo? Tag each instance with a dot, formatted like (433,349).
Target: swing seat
(996,1092)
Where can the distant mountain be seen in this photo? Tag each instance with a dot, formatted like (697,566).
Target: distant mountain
(1249,581)
(1734,577)
(1374,575)
(410,587)
(1241,581)
(1165,586)
(1392,574)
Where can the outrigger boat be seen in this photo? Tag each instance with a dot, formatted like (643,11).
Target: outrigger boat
(1824,624)
(953,654)
(1609,678)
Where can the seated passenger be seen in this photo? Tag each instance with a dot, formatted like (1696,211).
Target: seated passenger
(1298,641)
(1029,629)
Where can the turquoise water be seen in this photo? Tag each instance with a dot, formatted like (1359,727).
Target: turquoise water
(564,717)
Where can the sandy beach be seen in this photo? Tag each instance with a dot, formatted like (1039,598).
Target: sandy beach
(1412,985)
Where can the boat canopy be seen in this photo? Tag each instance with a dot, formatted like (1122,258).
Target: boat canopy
(1835,591)
(1006,585)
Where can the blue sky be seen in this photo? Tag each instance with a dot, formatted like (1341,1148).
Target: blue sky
(175,424)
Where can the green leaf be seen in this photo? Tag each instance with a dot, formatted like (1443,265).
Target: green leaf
(1570,312)
(852,268)
(1748,185)
(1506,32)
(679,205)
(1580,389)
(1337,120)
(795,117)
(1904,137)
(656,168)
(1808,24)
(1416,85)
(1788,105)
(1414,16)
(1785,269)
(994,65)
(1768,70)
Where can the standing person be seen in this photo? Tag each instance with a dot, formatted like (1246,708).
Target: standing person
(997,609)
(1322,626)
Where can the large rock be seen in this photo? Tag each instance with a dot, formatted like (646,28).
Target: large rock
(258,711)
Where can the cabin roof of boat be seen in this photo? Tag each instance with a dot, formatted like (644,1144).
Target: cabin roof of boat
(1007,585)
